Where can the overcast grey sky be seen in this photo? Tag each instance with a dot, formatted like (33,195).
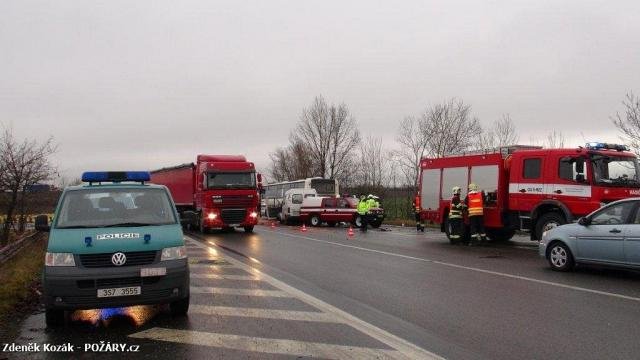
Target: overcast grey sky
(145,84)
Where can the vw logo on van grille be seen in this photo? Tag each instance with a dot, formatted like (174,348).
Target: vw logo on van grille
(118,259)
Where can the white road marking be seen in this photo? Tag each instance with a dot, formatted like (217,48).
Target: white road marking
(241,292)
(263,313)
(263,345)
(511,276)
(226,277)
(405,348)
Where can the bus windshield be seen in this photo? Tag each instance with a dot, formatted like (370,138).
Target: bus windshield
(231,180)
(91,208)
(615,170)
(324,187)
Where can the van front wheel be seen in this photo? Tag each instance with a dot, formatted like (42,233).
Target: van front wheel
(54,317)
(180,307)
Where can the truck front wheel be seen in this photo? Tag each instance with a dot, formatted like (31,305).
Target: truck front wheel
(547,222)
(248,229)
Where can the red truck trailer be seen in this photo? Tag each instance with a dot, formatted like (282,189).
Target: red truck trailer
(215,192)
(530,188)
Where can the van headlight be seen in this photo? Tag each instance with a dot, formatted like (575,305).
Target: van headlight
(59,259)
(174,253)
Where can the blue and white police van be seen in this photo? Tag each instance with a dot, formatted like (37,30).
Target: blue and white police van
(114,242)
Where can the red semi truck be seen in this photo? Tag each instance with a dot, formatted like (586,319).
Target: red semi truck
(215,192)
(530,188)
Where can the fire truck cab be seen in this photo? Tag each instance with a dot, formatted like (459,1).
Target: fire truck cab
(530,188)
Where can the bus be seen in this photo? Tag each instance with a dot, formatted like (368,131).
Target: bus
(274,193)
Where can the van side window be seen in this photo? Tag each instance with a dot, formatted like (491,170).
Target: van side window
(329,203)
(571,169)
(531,168)
(296,199)
(342,203)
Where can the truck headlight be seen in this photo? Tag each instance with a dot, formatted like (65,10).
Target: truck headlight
(253,214)
(174,253)
(59,259)
(212,216)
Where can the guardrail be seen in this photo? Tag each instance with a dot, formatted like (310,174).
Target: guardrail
(12,249)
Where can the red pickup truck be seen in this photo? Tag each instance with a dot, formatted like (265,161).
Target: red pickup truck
(330,210)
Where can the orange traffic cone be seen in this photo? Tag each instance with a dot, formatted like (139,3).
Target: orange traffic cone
(303,228)
(273,225)
(350,231)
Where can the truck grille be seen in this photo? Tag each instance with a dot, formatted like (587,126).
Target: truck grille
(237,201)
(104,260)
(233,216)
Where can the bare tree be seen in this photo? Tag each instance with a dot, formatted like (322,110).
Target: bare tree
(629,122)
(413,146)
(372,164)
(291,163)
(331,134)
(449,128)
(24,164)
(555,140)
(501,133)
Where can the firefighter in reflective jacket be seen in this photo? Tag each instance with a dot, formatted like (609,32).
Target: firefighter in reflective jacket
(416,210)
(475,205)
(455,216)
(363,211)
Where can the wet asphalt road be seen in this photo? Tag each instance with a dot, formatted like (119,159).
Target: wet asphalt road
(282,293)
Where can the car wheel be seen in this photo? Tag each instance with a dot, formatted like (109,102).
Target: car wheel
(560,257)
(315,220)
(180,307)
(547,222)
(54,317)
(357,222)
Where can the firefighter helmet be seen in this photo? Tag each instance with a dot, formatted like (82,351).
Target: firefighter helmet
(473,187)
(455,190)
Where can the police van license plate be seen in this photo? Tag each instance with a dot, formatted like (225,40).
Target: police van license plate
(123,291)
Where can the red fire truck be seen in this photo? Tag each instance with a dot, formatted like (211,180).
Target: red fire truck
(529,188)
(215,192)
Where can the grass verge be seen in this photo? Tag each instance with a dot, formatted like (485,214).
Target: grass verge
(20,279)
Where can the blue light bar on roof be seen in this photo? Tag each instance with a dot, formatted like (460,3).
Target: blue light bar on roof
(605,146)
(115,176)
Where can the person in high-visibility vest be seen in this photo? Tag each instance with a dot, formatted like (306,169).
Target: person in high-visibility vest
(455,215)
(475,210)
(416,210)
(363,211)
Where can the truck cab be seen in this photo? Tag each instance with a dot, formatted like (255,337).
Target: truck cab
(115,242)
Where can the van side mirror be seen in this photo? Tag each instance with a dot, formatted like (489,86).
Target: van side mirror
(42,223)
(584,221)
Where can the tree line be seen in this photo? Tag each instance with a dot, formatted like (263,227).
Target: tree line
(23,164)
(327,142)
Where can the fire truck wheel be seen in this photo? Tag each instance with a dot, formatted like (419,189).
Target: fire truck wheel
(248,229)
(500,235)
(547,222)
(315,220)
(560,257)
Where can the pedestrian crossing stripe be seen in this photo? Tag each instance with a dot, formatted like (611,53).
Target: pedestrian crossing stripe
(241,292)
(266,346)
(292,315)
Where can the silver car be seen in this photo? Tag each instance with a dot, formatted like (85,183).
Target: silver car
(608,236)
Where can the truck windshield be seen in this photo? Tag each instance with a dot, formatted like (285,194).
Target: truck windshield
(90,208)
(233,180)
(615,170)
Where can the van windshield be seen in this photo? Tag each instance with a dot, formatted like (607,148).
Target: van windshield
(90,208)
(615,170)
